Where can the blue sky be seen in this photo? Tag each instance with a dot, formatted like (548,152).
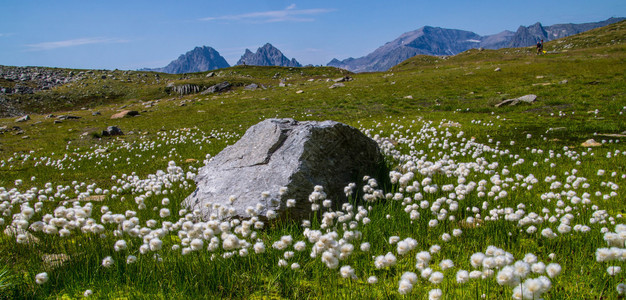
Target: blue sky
(133,34)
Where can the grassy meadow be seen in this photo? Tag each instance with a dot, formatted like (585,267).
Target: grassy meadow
(483,202)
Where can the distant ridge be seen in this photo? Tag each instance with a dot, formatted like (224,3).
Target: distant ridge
(267,55)
(200,59)
(441,41)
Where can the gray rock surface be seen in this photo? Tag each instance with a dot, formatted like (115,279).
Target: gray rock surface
(279,153)
(218,88)
(526,98)
(23,118)
(112,131)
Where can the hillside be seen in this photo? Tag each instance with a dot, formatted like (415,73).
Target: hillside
(479,202)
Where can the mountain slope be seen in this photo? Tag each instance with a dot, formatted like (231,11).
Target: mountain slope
(199,59)
(528,36)
(267,55)
(441,41)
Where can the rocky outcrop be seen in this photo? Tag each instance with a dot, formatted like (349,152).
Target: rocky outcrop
(267,55)
(282,159)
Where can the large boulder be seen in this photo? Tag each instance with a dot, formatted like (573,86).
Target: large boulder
(279,153)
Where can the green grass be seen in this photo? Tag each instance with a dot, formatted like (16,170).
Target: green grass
(461,89)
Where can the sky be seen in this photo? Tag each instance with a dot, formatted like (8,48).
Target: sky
(133,34)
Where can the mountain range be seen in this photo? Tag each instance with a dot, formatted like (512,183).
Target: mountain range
(427,40)
(441,41)
(204,58)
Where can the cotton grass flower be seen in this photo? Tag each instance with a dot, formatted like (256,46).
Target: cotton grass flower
(120,245)
(462,276)
(107,262)
(372,280)
(436,277)
(404,287)
(613,270)
(553,270)
(41,278)
(435,294)
(347,272)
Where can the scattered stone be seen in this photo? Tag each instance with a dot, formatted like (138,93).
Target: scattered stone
(218,88)
(67,117)
(556,129)
(279,153)
(408,97)
(451,124)
(539,77)
(526,98)
(210,74)
(591,143)
(50,116)
(542,84)
(497,69)
(281,84)
(25,137)
(251,87)
(299,91)
(95,113)
(190,160)
(564,81)
(96,198)
(112,131)
(343,79)
(58,121)
(22,119)
(125,114)
(336,85)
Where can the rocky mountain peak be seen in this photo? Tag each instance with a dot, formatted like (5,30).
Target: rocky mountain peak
(200,59)
(267,55)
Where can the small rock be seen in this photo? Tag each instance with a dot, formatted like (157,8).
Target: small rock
(251,87)
(112,131)
(124,114)
(526,98)
(451,124)
(408,97)
(497,70)
(299,92)
(564,81)
(58,121)
(336,85)
(218,88)
(343,79)
(67,117)
(210,74)
(95,113)
(22,119)
(25,137)
(591,143)
(190,160)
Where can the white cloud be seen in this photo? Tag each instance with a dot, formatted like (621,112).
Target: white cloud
(73,43)
(290,13)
